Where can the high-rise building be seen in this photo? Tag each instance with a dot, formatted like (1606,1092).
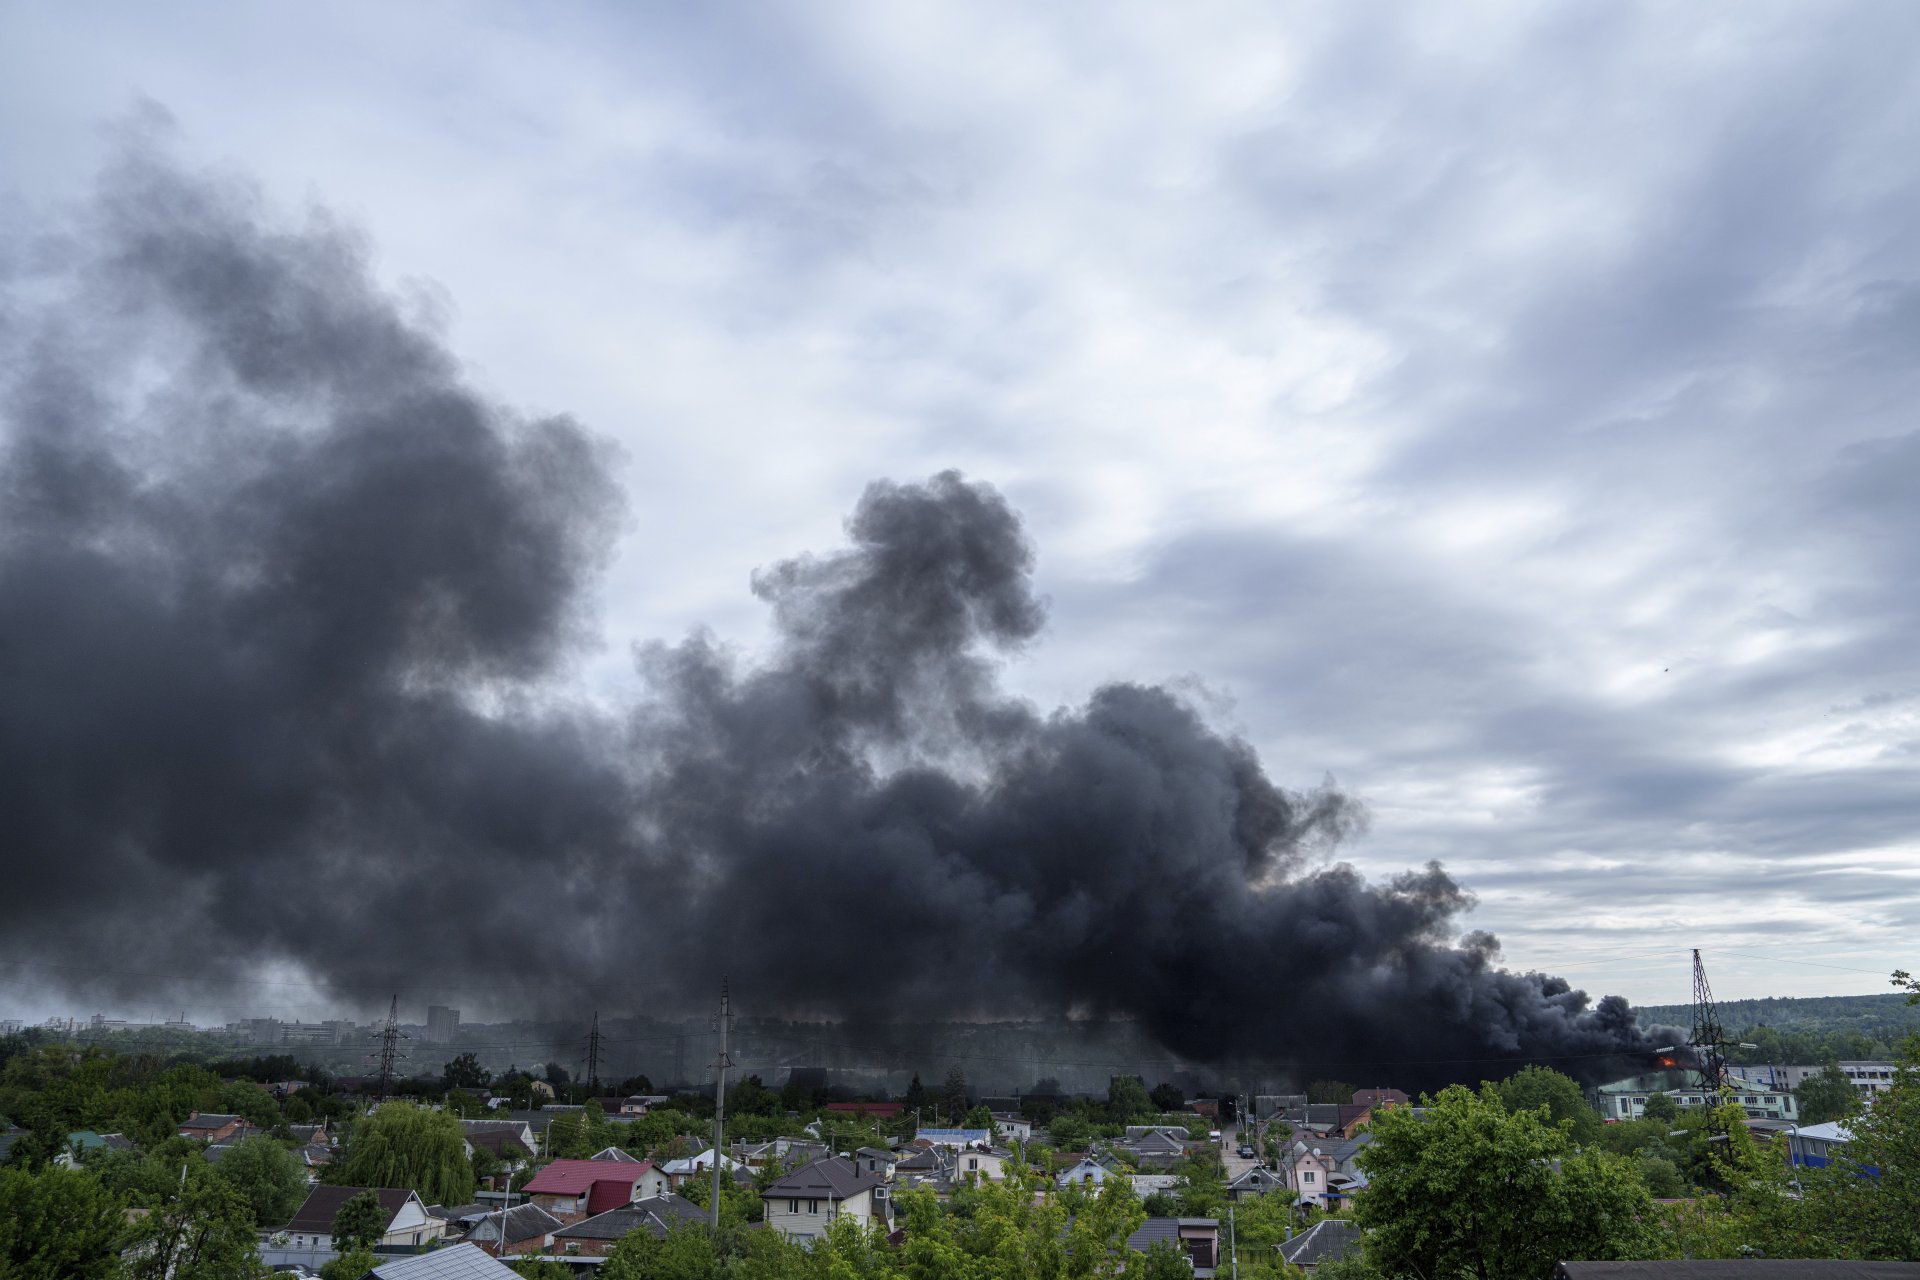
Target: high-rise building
(442,1022)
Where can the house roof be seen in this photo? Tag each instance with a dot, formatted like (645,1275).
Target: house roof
(571,1177)
(655,1214)
(1375,1097)
(494,1140)
(1740,1269)
(833,1178)
(1167,1229)
(1831,1131)
(462,1262)
(323,1204)
(614,1155)
(210,1120)
(1258,1173)
(1326,1239)
(524,1222)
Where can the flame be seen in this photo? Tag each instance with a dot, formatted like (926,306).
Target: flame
(1667,1061)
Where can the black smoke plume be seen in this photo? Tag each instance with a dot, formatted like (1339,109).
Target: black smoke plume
(286,608)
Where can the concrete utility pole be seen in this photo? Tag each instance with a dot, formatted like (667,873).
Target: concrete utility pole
(720,1064)
(593,1057)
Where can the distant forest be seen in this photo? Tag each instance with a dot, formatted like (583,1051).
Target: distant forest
(1804,1030)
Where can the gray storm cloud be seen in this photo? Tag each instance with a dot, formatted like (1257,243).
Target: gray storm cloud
(285,606)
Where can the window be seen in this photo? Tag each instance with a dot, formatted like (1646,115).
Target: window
(813,1206)
(793,1206)
(1307,1176)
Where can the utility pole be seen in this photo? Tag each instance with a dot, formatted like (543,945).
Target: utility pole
(593,1057)
(389,1049)
(720,1065)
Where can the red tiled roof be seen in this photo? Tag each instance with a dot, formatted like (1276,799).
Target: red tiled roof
(571,1177)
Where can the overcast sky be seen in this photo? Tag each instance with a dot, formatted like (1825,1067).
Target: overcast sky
(1508,410)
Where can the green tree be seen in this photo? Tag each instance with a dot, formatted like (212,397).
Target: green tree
(1533,1086)
(205,1232)
(1471,1190)
(244,1098)
(401,1145)
(1128,1100)
(1169,1097)
(1826,1096)
(350,1265)
(57,1225)
(1662,1177)
(360,1222)
(1324,1091)
(538,1269)
(267,1176)
(464,1072)
(917,1098)
(953,1096)
(1069,1132)
(1162,1261)
(1869,1198)
(1661,1107)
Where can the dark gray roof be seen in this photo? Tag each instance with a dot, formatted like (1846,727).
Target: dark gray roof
(1328,1238)
(1740,1269)
(655,1214)
(524,1222)
(1259,1174)
(1167,1229)
(834,1178)
(209,1120)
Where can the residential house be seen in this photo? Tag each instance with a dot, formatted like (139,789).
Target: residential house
(1147,1184)
(680,1172)
(1290,1107)
(408,1222)
(1198,1238)
(803,1203)
(953,1137)
(1381,1098)
(616,1154)
(1158,1149)
(1012,1128)
(1086,1172)
(926,1167)
(875,1163)
(210,1127)
(1327,1240)
(575,1189)
(790,1152)
(595,1237)
(981,1164)
(1257,1181)
(462,1262)
(519,1131)
(525,1226)
(1308,1171)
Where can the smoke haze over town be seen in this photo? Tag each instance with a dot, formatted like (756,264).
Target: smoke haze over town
(1228,622)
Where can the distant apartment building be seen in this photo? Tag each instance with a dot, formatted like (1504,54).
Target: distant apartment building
(1627,1099)
(442,1023)
(1869,1079)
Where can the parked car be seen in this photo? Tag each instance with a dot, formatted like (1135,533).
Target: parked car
(1246,1152)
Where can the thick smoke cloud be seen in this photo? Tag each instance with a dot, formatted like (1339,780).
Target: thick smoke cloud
(284,606)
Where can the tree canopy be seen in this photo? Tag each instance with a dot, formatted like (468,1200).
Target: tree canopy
(1473,1190)
(401,1145)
